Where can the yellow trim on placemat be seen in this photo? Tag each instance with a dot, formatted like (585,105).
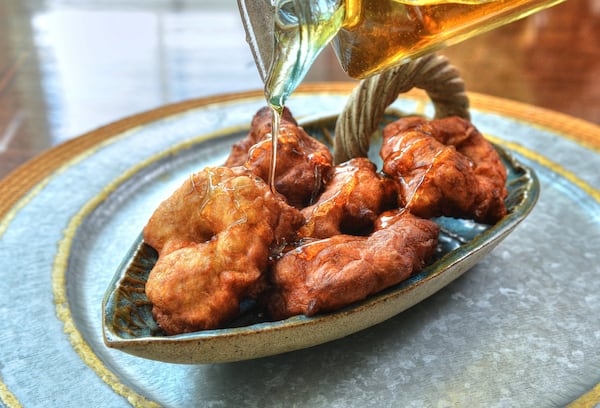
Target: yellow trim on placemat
(7,397)
(545,162)
(588,400)
(579,131)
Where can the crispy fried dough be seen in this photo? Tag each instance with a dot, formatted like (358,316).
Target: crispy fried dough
(445,167)
(327,274)
(304,165)
(351,201)
(214,236)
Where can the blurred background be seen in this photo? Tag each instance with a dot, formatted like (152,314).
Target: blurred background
(67,67)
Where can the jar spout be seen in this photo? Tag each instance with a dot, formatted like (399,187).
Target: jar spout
(258,19)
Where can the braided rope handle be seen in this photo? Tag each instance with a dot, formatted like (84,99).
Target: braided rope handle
(367,103)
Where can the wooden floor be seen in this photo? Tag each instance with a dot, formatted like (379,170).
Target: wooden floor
(68,67)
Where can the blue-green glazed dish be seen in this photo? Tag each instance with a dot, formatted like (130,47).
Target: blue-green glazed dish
(128,324)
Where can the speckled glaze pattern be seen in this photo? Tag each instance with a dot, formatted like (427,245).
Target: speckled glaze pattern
(521,328)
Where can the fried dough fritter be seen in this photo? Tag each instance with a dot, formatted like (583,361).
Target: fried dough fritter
(445,167)
(327,274)
(304,165)
(351,201)
(260,128)
(214,236)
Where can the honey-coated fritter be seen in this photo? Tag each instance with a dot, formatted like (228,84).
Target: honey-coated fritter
(445,167)
(214,236)
(351,201)
(304,165)
(327,274)
(260,128)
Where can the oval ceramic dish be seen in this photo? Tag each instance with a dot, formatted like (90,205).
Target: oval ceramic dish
(127,318)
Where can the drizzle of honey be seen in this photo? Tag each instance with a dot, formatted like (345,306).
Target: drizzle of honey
(298,41)
(277,112)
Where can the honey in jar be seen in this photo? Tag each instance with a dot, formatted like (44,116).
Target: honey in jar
(377,34)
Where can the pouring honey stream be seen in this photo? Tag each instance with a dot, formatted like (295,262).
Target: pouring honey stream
(368,36)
